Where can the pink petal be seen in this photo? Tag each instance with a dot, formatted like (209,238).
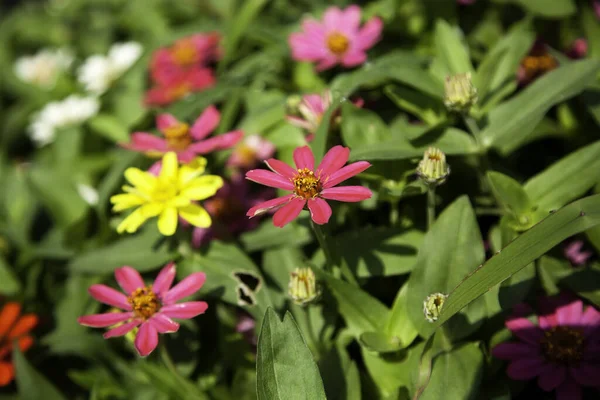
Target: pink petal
(315,104)
(351,16)
(142,141)
(327,62)
(185,310)
(303,157)
(299,122)
(269,178)
(320,211)
(354,58)
(122,329)
(206,123)
(220,142)
(304,50)
(281,168)
(109,296)
(164,279)
(525,368)
(569,390)
(267,206)
(369,34)
(163,324)
(347,193)
(586,374)
(333,160)
(129,279)
(513,351)
(347,172)
(546,322)
(103,320)
(525,330)
(190,285)
(333,19)
(146,339)
(570,314)
(590,321)
(552,376)
(289,212)
(201,236)
(165,121)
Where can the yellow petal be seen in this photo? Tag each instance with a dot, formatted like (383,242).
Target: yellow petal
(202,187)
(152,209)
(142,180)
(169,167)
(189,171)
(167,221)
(196,216)
(132,222)
(124,201)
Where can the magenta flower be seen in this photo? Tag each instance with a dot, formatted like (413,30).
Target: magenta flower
(574,254)
(245,326)
(465,2)
(309,186)
(337,40)
(578,49)
(185,141)
(562,350)
(597,8)
(248,152)
(149,307)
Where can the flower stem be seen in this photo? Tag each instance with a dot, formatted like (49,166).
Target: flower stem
(329,260)
(474,129)
(430,206)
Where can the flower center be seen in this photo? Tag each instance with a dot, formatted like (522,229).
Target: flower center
(306,184)
(178,91)
(144,302)
(337,43)
(178,136)
(563,345)
(184,53)
(165,190)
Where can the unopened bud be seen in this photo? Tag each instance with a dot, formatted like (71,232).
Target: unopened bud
(432,306)
(460,94)
(303,287)
(292,105)
(433,169)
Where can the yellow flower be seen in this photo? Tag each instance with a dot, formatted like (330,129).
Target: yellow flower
(167,196)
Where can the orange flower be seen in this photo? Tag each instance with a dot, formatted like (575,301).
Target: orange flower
(13,328)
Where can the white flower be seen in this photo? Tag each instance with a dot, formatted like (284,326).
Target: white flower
(70,111)
(88,193)
(43,68)
(98,72)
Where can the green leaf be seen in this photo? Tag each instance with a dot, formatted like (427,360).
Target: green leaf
(512,122)
(31,384)
(109,127)
(451,250)
(9,284)
(568,221)
(319,143)
(566,179)
(398,324)
(510,192)
(584,282)
(379,342)
(362,127)
(452,53)
(549,9)
(285,368)
(267,235)
(589,23)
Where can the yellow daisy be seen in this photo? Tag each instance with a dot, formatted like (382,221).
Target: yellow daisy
(170,194)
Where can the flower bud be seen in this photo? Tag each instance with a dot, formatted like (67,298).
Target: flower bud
(292,104)
(303,287)
(460,94)
(433,169)
(432,306)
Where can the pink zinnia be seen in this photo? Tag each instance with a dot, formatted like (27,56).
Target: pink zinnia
(574,254)
(182,84)
(149,307)
(309,186)
(185,141)
(562,350)
(337,40)
(578,49)
(248,152)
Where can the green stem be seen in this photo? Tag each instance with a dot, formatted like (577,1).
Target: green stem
(474,129)
(329,260)
(430,206)
(484,164)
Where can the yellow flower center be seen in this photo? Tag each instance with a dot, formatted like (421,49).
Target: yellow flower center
(179,91)
(563,345)
(306,184)
(178,136)
(337,43)
(184,53)
(144,302)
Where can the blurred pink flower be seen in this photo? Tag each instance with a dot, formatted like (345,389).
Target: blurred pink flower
(183,83)
(251,150)
(245,326)
(338,39)
(597,8)
(574,254)
(465,2)
(562,350)
(185,141)
(149,307)
(309,186)
(578,49)
(538,62)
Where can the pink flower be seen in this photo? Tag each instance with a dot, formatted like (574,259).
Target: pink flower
(250,151)
(562,350)
(185,141)
(597,8)
(574,254)
(182,84)
(245,326)
(149,307)
(309,186)
(337,40)
(465,2)
(578,49)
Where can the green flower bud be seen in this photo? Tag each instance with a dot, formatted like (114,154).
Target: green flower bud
(292,104)
(432,306)
(460,93)
(303,287)
(433,169)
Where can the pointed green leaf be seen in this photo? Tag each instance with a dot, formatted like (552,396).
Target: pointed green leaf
(510,192)
(31,384)
(452,52)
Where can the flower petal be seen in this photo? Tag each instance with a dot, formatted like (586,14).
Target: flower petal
(23,326)
(170,166)
(590,321)
(269,178)
(185,310)
(513,351)
(525,330)
(7,373)
(220,142)
(205,123)
(142,141)
(569,390)
(196,215)
(304,158)
(354,58)
(8,316)
(124,201)
(281,168)
(109,296)
(129,279)
(104,320)
(289,212)
(163,324)
(142,180)
(167,221)
(165,121)
(369,34)
(164,279)
(347,172)
(586,374)
(188,286)
(552,376)
(133,221)
(570,314)
(333,19)
(333,160)
(347,193)
(267,206)
(203,187)
(320,211)
(146,339)
(122,329)
(525,368)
